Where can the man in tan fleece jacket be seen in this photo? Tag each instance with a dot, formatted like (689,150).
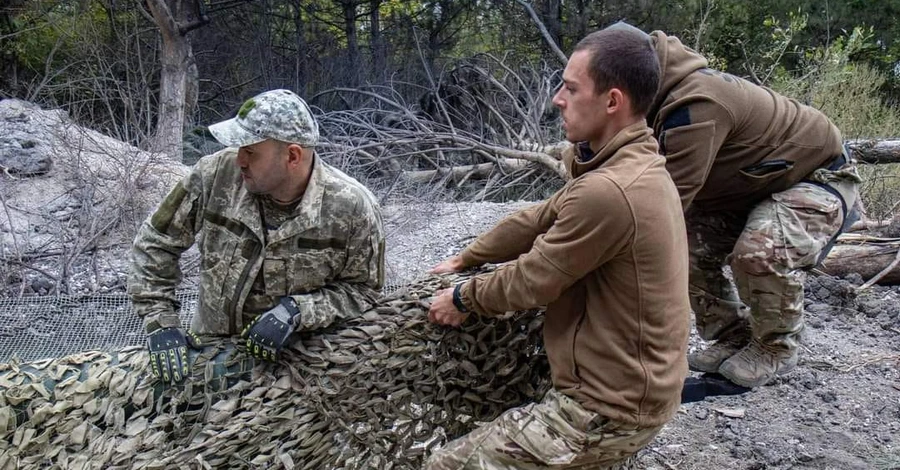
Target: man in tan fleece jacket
(766,188)
(607,255)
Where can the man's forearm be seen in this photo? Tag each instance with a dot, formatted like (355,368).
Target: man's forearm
(333,303)
(155,275)
(511,237)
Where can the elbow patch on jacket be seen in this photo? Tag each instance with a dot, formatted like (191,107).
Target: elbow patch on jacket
(163,216)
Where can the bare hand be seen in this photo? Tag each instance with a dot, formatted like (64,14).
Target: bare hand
(453,264)
(443,312)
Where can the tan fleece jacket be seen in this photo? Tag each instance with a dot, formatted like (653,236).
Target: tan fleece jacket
(607,254)
(730,143)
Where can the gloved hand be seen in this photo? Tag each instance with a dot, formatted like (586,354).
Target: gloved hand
(267,333)
(168,354)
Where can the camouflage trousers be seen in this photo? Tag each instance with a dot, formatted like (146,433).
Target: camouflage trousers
(769,250)
(555,433)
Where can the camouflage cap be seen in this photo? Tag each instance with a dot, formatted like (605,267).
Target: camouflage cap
(276,114)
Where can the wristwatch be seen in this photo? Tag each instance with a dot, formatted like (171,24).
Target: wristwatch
(457,299)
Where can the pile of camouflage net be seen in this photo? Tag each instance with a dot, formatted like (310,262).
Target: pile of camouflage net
(379,391)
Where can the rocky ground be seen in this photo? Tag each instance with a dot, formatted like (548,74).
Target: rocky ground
(840,409)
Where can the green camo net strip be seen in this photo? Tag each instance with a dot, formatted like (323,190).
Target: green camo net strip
(379,391)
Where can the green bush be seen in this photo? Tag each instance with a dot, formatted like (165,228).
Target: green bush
(849,93)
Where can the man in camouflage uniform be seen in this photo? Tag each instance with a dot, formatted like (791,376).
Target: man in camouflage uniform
(287,242)
(766,188)
(607,255)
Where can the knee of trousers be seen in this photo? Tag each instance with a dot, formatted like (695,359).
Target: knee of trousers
(756,257)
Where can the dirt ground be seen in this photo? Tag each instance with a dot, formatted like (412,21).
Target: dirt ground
(840,409)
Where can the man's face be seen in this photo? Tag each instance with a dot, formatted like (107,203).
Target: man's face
(582,109)
(264,167)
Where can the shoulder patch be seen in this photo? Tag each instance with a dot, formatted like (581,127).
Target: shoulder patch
(678,118)
(162,218)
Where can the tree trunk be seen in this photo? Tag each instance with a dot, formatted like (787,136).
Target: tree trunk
(552,13)
(866,259)
(191,88)
(349,10)
(580,21)
(176,60)
(300,57)
(9,60)
(378,56)
(551,43)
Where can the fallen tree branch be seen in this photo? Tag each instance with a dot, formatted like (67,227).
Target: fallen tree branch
(882,273)
(875,150)
(457,173)
(872,258)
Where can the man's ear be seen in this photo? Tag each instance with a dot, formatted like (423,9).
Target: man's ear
(616,101)
(295,154)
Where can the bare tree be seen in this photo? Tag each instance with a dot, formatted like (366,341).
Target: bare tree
(179,77)
(379,59)
(548,37)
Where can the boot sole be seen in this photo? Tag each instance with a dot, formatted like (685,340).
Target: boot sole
(742,383)
(699,368)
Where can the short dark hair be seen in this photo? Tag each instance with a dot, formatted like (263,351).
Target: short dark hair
(623,58)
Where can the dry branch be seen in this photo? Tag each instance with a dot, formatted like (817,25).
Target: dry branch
(875,151)
(867,256)
(457,173)
(546,34)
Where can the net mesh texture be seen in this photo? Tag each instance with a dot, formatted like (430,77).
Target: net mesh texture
(40,327)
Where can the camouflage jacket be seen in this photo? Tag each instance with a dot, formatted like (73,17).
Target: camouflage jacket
(329,258)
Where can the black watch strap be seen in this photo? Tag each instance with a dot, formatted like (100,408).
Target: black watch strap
(457,299)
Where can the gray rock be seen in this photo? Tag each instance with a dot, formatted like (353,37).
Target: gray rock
(768,455)
(41,286)
(701,413)
(24,155)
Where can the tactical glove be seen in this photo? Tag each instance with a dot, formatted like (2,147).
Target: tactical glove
(168,354)
(268,333)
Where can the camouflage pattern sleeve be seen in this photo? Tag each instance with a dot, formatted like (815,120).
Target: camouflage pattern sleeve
(158,245)
(359,283)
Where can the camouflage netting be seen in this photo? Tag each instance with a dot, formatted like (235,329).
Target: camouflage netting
(377,392)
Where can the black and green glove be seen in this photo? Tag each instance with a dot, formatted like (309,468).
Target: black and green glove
(168,354)
(267,334)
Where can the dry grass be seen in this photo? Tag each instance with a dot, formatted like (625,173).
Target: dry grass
(850,95)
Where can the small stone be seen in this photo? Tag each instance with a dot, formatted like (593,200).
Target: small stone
(701,413)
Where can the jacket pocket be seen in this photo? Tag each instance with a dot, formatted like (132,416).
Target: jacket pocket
(689,154)
(547,445)
(216,280)
(767,169)
(301,272)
